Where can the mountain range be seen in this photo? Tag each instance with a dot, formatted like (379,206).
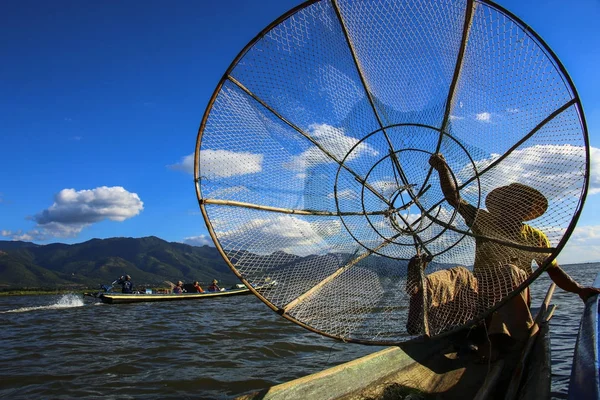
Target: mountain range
(148,260)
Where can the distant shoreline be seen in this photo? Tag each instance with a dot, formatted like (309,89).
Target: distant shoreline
(78,291)
(82,291)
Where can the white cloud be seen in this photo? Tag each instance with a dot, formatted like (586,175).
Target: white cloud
(583,234)
(200,240)
(512,110)
(229,192)
(345,194)
(410,218)
(530,164)
(484,117)
(334,141)
(386,187)
(455,117)
(221,163)
(282,233)
(18,235)
(72,211)
(308,158)
(89,206)
(583,246)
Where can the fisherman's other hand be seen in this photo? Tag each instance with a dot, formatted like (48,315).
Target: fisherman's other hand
(413,262)
(587,292)
(417,260)
(438,161)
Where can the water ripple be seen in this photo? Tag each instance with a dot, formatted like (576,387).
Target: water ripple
(65,347)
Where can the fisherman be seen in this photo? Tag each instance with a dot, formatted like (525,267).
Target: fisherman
(214,287)
(126,284)
(178,289)
(197,287)
(498,269)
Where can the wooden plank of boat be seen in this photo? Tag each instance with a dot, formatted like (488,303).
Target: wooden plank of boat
(395,372)
(427,369)
(349,377)
(120,298)
(585,378)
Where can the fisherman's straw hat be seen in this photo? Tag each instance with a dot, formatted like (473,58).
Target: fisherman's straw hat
(518,195)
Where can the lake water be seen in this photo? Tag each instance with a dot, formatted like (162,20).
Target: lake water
(64,347)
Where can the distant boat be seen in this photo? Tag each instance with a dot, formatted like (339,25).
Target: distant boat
(109,297)
(121,298)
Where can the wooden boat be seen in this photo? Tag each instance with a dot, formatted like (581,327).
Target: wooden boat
(585,373)
(120,298)
(431,369)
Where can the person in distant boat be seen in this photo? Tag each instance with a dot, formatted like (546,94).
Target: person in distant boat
(214,287)
(179,288)
(126,284)
(197,287)
(503,261)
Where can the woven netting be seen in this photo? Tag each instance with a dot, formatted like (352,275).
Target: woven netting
(313,164)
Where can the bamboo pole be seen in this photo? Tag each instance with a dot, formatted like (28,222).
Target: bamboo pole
(369,96)
(468,22)
(234,203)
(515,146)
(311,139)
(422,264)
(478,174)
(331,277)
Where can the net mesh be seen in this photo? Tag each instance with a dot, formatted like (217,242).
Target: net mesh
(315,165)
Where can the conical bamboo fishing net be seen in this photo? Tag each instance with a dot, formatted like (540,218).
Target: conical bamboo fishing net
(313,175)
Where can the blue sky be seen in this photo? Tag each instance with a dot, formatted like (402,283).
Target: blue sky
(101,101)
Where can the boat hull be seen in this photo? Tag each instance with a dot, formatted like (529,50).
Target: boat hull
(431,369)
(122,298)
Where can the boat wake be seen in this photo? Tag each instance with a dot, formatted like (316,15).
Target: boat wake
(66,301)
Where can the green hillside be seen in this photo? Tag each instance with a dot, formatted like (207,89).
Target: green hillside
(148,260)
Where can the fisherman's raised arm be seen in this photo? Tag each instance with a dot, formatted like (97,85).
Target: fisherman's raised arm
(449,189)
